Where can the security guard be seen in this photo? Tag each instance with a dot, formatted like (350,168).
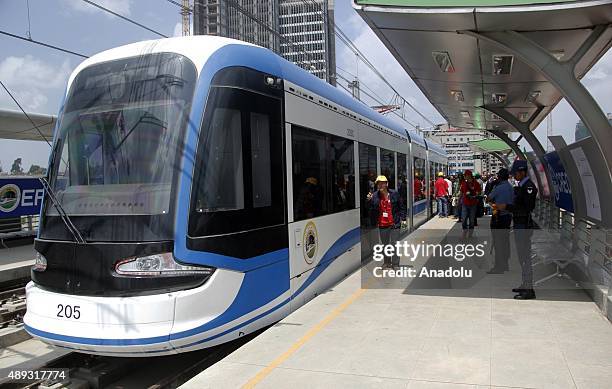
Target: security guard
(500,197)
(524,202)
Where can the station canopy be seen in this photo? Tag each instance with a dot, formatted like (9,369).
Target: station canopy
(437,43)
(16,125)
(489,146)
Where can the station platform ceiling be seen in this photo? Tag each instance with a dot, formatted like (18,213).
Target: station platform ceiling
(440,45)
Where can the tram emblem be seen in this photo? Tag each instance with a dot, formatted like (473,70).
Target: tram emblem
(310,242)
(9,197)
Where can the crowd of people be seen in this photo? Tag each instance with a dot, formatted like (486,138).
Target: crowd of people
(508,196)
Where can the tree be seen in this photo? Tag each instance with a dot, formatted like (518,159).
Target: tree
(16,169)
(36,170)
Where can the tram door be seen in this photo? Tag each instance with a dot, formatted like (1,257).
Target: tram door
(367,177)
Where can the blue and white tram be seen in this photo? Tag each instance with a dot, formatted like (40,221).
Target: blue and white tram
(201,188)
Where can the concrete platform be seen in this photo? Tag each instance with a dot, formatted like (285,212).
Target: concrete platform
(476,337)
(15,262)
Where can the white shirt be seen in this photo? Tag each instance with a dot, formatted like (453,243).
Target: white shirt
(450,186)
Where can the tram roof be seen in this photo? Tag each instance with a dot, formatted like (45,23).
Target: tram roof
(424,35)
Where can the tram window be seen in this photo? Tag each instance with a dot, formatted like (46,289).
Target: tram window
(367,177)
(238,176)
(223,174)
(309,174)
(402,178)
(419,179)
(387,166)
(323,173)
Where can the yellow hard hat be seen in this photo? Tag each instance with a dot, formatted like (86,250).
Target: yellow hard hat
(440,174)
(381,179)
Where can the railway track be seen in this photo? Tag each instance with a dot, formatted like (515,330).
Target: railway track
(12,304)
(97,372)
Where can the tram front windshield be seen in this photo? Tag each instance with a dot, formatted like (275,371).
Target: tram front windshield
(117,152)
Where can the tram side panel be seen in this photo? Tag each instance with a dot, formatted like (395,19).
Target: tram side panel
(323,214)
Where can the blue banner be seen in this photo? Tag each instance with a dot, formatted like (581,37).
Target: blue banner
(20,196)
(563,190)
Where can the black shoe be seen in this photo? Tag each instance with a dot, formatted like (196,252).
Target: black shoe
(495,271)
(527,294)
(519,290)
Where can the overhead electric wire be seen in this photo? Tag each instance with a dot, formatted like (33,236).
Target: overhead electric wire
(124,18)
(349,43)
(43,44)
(346,40)
(377,100)
(25,113)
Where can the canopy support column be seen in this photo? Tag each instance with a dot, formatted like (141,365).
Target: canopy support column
(519,153)
(524,128)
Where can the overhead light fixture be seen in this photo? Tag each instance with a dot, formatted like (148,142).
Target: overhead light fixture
(499,98)
(558,54)
(457,95)
(502,64)
(533,96)
(443,61)
(465,114)
(523,116)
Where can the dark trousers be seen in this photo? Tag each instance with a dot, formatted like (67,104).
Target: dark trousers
(522,240)
(389,235)
(500,232)
(468,212)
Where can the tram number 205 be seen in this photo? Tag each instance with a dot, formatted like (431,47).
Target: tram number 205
(69,311)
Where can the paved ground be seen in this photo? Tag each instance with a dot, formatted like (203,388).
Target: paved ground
(478,337)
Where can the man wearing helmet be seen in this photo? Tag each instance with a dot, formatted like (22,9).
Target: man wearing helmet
(389,213)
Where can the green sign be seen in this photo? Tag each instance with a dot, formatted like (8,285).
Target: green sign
(457,3)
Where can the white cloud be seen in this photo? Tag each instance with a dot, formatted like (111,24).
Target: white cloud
(122,7)
(178,29)
(31,81)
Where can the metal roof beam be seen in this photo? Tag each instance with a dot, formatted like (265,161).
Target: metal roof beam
(561,74)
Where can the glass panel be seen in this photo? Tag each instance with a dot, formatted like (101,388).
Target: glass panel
(343,173)
(309,174)
(238,180)
(402,179)
(260,156)
(387,166)
(222,175)
(118,148)
(419,179)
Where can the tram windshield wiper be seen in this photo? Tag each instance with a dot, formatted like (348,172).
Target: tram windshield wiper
(76,234)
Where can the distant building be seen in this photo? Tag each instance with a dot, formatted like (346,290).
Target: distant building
(460,156)
(582,132)
(300,31)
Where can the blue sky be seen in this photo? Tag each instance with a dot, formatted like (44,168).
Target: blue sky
(38,75)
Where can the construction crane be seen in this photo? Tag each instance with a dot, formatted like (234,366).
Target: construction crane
(185,14)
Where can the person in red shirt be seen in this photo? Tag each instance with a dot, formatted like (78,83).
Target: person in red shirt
(389,212)
(470,190)
(441,191)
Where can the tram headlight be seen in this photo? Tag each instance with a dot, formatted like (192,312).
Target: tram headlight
(158,265)
(40,264)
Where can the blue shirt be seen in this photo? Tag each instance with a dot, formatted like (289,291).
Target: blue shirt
(503,193)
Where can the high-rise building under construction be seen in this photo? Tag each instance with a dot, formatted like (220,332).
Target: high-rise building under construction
(302,31)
